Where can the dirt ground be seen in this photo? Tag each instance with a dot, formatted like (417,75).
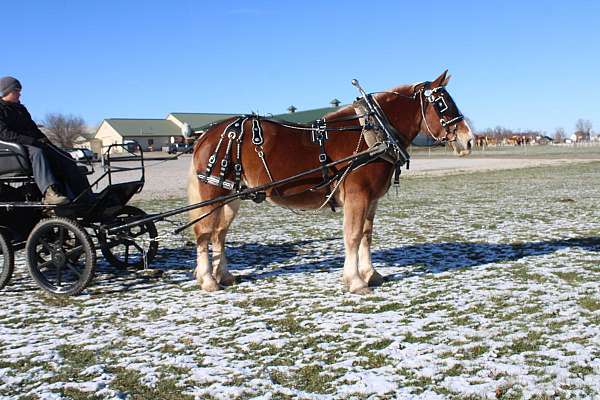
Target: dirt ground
(168,179)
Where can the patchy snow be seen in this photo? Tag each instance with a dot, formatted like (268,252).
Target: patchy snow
(492,289)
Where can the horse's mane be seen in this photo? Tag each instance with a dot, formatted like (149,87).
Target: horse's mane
(342,112)
(406,90)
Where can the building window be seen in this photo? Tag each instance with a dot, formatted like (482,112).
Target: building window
(150,142)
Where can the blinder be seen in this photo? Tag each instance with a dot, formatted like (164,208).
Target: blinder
(444,106)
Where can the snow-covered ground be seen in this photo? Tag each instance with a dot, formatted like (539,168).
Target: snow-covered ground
(492,291)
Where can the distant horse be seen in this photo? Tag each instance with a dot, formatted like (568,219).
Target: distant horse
(481,141)
(278,150)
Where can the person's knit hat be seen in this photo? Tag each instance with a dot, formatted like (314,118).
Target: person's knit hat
(9,84)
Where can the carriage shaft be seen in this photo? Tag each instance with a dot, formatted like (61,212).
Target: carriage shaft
(366,156)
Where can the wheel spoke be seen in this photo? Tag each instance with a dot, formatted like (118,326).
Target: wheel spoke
(44,264)
(137,246)
(58,275)
(61,236)
(76,251)
(73,268)
(45,245)
(143,230)
(126,253)
(110,243)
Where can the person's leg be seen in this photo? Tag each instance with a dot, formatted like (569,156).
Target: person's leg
(41,167)
(66,169)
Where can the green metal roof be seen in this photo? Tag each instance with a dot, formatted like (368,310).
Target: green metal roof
(303,117)
(144,127)
(199,120)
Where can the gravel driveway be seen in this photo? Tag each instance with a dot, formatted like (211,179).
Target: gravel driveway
(168,179)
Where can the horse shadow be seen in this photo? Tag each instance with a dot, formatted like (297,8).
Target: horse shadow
(424,258)
(416,259)
(180,262)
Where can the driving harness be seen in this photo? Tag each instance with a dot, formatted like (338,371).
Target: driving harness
(373,124)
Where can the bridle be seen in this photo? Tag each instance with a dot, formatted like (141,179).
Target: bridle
(444,106)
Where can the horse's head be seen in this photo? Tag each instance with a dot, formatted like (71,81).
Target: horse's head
(441,117)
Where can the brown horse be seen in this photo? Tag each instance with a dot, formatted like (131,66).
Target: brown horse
(288,150)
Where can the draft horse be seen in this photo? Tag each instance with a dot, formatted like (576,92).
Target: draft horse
(226,158)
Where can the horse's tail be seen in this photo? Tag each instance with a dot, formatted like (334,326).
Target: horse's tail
(193,187)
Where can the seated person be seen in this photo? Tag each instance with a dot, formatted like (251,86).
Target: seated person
(53,169)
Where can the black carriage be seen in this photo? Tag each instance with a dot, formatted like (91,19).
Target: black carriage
(60,242)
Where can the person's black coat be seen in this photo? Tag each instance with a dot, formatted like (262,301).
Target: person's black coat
(16,124)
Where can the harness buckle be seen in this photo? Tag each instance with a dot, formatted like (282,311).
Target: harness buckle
(322,158)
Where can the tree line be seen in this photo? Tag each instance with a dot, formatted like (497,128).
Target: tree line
(63,130)
(583,129)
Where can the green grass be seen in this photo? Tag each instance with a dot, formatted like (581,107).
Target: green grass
(128,382)
(531,342)
(590,303)
(309,378)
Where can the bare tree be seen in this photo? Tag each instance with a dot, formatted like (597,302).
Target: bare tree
(584,126)
(62,129)
(502,132)
(559,135)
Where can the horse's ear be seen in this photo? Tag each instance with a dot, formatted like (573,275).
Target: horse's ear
(448,76)
(441,80)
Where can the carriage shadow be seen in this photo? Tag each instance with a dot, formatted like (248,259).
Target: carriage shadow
(423,258)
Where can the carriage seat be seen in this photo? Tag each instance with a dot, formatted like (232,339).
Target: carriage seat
(14,160)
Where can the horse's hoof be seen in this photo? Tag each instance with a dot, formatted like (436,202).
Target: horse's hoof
(227,280)
(209,285)
(375,279)
(362,290)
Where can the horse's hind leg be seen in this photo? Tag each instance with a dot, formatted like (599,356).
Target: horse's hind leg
(365,264)
(355,212)
(203,231)
(219,260)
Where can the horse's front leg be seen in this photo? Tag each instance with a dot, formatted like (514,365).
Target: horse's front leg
(203,270)
(355,211)
(220,271)
(365,264)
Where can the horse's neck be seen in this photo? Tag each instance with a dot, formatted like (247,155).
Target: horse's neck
(403,113)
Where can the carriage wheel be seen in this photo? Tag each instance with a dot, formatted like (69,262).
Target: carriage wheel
(7,260)
(128,248)
(60,256)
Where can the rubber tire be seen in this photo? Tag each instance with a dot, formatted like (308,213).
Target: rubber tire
(89,266)
(130,213)
(7,262)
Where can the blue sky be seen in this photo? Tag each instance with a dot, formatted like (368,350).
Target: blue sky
(519,64)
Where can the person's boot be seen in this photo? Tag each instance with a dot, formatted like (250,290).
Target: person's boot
(54,197)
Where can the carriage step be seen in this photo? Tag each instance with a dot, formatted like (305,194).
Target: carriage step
(25,204)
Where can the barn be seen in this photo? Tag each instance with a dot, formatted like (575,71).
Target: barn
(152,134)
